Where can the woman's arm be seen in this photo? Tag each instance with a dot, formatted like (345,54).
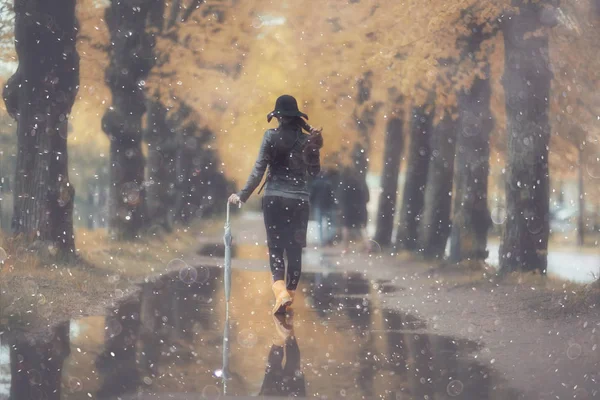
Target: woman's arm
(258,171)
(312,155)
(314,166)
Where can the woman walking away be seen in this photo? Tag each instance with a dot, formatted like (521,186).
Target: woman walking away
(291,156)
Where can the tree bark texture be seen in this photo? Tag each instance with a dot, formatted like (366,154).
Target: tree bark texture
(131,58)
(208,182)
(156,16)
(435,224)
(184,209)
(471,217)
(39,96)
(526,82)
(364,117)
(36,369)
(187,130)
(393,148)
(161,172)
(394,143)
(413,195)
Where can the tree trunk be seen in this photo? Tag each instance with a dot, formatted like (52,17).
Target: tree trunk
(394,143)
(526,82)
(173,16)
(36,369)
(131,58)
(184,167)
(561,194)
(596,224)
(39,96)
(471,217)
(416,178)
(364,116)
(581,216)
(162,153)
(435,226)
(193,6)
(156,16)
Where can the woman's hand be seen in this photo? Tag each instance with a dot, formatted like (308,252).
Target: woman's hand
(315,138)
(316,131)
(235,199)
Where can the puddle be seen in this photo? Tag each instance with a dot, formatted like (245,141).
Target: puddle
(173,338)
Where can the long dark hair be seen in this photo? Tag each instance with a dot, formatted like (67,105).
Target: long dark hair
(295,122)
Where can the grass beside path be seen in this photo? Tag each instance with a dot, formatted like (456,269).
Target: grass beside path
(555,297)
(35,294)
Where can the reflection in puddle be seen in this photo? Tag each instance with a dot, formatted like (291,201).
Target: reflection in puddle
(170,339)
(283,373)
(4,371)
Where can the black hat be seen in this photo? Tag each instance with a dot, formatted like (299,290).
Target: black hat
(286,106)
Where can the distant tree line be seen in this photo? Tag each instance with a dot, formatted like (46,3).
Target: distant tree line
(446,178)
(447,143)
(180,179)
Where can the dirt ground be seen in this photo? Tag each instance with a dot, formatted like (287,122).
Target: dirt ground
(542,338)
(540,334)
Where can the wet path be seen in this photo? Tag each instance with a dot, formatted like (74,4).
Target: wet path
(169,339)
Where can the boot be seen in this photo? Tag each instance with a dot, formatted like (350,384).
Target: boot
(292,296)
(282,297)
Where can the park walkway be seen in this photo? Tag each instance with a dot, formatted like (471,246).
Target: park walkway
(544,356)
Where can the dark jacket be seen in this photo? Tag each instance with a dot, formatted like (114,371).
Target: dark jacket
(291,157)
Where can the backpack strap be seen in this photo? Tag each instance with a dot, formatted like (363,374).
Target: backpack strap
(264,183)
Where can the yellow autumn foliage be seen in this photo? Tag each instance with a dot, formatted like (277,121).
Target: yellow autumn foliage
(232,59)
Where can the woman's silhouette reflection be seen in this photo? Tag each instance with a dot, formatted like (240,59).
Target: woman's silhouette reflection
(283,375)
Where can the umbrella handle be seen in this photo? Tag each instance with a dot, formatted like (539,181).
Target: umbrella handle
(228,207)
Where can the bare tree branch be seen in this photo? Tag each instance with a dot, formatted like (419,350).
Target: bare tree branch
(175,8)
(194,5)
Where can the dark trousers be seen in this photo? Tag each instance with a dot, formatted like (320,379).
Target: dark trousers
(286,222)
(294,259)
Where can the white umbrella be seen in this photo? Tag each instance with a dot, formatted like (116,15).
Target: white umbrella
(227,238)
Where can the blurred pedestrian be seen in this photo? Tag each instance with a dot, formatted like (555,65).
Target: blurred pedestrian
(354,196)
(322,202)
(291,156)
